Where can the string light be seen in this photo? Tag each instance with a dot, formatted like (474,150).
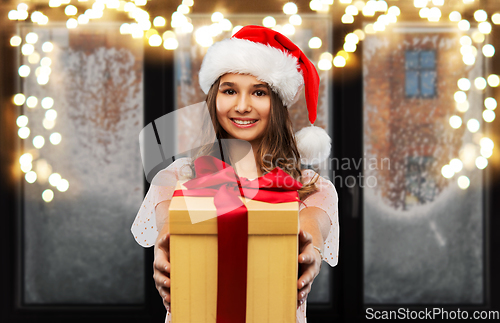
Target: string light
(46,61)
(347,19)
(226,24)
(447,171)
(464,25)
(460,96)
(493,80)
(488,115)
(473,125)
(315,43)
(63,185)
(269,22)
(486,143)
(70,10)
(23,132)
(463,84)
(480,83)
(290,8)
(48,195)
(51,114)
(360,34)
(47,47)
(463,182)
(38,142)
(83,19)
(315,5)
(24,71)
(217,16)
(496,18)
(47,103)
(324,64)
(351,10)
(55,138)
(295,20)
(22,121)
(27,49)
(159,21)
(34,58)
(490,103)
(455,16)
(19,99)
(339,61)
(31,102)
(484,27)
(456,164)
(455,122)
(478,37)
(488,50)
(155,40)
(48,124)
(30,177)
(288,29)
(480,15)
(463,106)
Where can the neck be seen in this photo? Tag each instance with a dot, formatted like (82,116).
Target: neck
(245,162)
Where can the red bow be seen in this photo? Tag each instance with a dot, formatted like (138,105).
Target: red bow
(218,179)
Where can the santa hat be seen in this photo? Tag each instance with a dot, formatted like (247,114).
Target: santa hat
(272,58)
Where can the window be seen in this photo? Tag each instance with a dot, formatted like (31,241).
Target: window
(420,186)
(420,81)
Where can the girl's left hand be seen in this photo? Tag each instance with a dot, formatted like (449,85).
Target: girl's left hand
(309,266)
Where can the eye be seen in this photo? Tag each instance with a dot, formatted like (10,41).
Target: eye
(229,91)
(260,93)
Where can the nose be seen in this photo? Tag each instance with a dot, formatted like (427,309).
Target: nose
(243,104)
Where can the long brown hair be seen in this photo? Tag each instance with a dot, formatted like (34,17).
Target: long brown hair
(277,148)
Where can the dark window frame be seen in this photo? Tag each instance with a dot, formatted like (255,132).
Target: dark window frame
(419,70)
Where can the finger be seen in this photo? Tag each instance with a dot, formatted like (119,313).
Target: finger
(299,303)
(167,307)
(302,294)
(306,278)
(306,257)
(163,283)
(304,236)
(165,294)
(161,265)
(304,239)
(164,244)
(160,279)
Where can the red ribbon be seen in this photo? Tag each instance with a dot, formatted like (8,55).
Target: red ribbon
(218,179)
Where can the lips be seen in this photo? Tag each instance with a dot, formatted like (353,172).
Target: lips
(245,125)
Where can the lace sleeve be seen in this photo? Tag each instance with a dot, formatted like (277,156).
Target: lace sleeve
(326,199)
(161,189)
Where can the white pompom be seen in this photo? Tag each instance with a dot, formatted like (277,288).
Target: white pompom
(314,145)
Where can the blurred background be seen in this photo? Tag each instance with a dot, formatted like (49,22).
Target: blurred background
(408,92)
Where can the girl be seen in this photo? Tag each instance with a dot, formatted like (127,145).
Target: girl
(250,80)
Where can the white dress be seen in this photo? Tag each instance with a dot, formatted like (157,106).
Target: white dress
(163,186)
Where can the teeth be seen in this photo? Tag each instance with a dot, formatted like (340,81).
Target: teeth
(244,122)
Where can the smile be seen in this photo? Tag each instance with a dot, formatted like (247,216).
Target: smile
(244,124)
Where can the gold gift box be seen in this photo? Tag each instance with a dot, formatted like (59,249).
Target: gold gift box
(272,260)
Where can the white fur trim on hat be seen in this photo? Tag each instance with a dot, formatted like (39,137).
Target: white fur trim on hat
(268,64)
(314,145)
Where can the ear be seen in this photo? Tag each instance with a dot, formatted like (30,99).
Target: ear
(297,95)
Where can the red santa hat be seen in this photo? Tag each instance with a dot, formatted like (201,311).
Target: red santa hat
(272,58)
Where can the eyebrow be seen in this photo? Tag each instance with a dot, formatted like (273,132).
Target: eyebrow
(258,85)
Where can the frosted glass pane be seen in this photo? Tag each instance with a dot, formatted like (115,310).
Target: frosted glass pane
(77,248)
(423,235)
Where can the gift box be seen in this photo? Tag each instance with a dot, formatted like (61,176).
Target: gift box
(272,268)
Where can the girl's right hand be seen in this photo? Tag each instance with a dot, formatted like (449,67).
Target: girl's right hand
(161,268)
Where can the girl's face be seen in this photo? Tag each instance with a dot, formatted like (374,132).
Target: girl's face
(243,107)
